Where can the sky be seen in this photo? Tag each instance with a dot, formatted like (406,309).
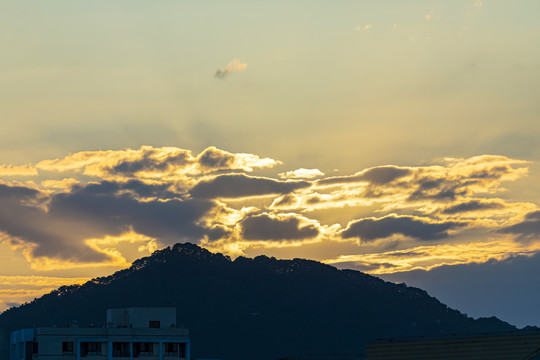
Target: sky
(397,138)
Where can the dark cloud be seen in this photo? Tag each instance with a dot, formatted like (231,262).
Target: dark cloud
(491,173)
(365,267)
(437,189)
(472,205)
(286,200)
(234,66)
(17,193)
(169,220)
(267,227)
(240,185)
(132,188)
(98,210)
(215,158)
(404,253)
(378,175)
(527,229)
(420,229)
(535,215)
(25,222)
(384,174)
(152,160)
(313,199)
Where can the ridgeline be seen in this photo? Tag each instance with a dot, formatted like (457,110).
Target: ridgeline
(260,308)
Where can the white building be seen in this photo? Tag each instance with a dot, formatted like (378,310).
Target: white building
(133,333)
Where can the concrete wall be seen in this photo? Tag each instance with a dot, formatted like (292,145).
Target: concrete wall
(131,325)
(141,317)
(50,341)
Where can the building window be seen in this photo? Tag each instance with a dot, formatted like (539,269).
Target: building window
(90,348)
(143,349)
(182,350)
(154,324)
(31,349)
(171,349)
(121,349)
(67,347)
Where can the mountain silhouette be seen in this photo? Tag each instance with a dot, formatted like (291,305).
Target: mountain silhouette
(260,308)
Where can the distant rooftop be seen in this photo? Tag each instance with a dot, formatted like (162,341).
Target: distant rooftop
(142,317)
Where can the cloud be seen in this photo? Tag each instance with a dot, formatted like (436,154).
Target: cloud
(277,227)
(428,257)
(377,175)
(302,174)
(528,229)
(286,201)
(114,211)
(437,189)
(15,195)
(13,170)
(417,228)
(241,185)
(16,290)
(101,208)
(216,159)
(366,27)
(423,188)
(473,205)
(464,177)
(60,227)
(64,184)
(233,67)
(152,162)
(432,16)
(147,162)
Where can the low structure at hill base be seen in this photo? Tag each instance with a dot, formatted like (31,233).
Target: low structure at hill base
(141,333)
(502,346)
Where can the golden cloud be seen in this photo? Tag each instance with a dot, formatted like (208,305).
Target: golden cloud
(19,289)
(165,163)
(233,67)
(22,170)
(108,246)
(111,206)
(429,257)
(37,281)
(302,174)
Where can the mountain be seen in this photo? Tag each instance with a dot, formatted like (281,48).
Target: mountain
(260,308)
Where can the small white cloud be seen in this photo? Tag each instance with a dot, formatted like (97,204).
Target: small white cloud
(432,16)
(366,27)
(301,174)
(232,67)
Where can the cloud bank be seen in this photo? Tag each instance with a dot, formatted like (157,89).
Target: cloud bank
(87,208)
